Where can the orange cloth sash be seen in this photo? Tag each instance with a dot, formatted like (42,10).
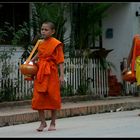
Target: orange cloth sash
(44,68)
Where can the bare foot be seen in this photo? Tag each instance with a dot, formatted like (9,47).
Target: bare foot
(52,127)
(41,127)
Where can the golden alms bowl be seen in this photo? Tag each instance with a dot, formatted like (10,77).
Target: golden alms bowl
(28,69)
(129,76)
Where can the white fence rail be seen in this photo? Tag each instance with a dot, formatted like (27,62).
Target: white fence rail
(80,76)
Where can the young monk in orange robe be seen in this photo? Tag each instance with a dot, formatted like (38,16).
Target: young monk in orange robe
(46,94)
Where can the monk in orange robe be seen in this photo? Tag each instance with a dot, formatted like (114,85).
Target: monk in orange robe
(134,58)
(46,93)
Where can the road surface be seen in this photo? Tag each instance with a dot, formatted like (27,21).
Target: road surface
(121,124)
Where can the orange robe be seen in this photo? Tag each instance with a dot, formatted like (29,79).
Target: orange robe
(135,51)
(134,58)
(46,93)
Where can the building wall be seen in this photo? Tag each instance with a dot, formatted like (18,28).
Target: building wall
(122,19)
(17,54)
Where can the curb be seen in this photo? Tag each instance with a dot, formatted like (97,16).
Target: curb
(64,100)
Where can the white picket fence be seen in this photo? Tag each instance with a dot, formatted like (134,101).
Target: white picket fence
(77,75)
(93,75)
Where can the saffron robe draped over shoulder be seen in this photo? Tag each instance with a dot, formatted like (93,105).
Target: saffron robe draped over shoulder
(46,93)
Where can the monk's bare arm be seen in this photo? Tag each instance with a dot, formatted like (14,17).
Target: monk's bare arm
(129,59)
(61,66)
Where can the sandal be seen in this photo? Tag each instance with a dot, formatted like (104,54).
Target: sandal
(41,127)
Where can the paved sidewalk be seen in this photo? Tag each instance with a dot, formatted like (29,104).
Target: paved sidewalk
(21,112)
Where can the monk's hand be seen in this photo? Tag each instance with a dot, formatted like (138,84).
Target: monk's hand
(32,60)
(124,70)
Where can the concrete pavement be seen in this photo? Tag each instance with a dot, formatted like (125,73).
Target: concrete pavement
(20,112)
(122,124)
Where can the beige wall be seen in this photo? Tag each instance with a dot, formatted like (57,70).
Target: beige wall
(122,19)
